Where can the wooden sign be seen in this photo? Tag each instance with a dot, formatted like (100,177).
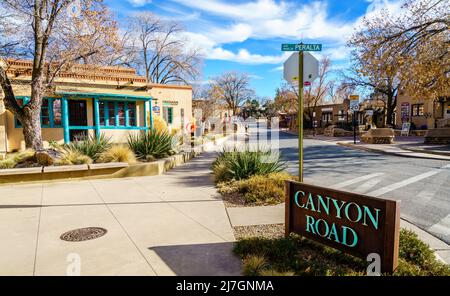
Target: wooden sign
(355,224)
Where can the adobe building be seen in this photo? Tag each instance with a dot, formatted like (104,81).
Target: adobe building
(93,100)
(325,115)
(423,113)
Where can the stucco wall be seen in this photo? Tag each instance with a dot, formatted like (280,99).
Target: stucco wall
(168,97)
(119,136)
(419,121)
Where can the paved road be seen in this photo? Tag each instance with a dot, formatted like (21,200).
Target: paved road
(422,185)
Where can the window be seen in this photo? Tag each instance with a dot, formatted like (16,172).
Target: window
(117,114)
(121,113)
(168,114)
(417,110)
(50,112)
(131,109)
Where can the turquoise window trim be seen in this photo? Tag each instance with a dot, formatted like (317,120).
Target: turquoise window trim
(116,124)
(51,117)
(89,127)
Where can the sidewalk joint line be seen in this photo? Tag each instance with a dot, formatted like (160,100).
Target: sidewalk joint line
(38,231)
(123,228)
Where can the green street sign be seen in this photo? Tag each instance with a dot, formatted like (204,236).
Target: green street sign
(301,47)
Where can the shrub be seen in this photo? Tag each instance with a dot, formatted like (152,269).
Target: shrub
(73,157)
(274,272)
(237,165)
(153,143)
(7,163)
(417,257)
(264,189)
(301,256)
(25,155)
(117,153)
(254,264)
(91,146)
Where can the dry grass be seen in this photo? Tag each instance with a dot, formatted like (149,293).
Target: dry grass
(117,153)
(73,157)
(255,191)
(7,163)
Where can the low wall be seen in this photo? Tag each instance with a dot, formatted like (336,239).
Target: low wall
(94,171)
(439,136)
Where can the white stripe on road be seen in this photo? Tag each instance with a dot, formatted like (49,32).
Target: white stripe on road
(406,182)
(364,187)
(356,180)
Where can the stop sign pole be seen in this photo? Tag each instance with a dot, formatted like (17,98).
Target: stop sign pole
(311,75)
(300,117)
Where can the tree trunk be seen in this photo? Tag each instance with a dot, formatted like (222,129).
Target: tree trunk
(31,124)
(391,102)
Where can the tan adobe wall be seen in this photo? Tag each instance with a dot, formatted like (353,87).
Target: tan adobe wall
(417,120)
(176,97)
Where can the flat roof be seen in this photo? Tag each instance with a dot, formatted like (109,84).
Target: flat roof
(103,95)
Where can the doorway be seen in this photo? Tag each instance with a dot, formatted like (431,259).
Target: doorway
(77,117)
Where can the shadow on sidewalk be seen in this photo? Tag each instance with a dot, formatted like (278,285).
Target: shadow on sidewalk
(214,259)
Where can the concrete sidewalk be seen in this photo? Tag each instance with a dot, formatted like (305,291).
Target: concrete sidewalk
(172,224)
(248,216)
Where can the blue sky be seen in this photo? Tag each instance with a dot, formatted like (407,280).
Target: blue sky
(236,35)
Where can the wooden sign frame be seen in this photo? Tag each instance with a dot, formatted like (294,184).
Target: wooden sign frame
(374,222)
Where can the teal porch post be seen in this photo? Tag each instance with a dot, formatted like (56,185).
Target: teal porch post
(65,117)
(145,115)
(97,118)
(151,113)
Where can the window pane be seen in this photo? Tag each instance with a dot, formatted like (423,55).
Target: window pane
(45,121)
(45,103)
(101,110)
(132,114)
(57,117)
(420,110)
(121,113)
(44,112)
(111,116)
(170,110)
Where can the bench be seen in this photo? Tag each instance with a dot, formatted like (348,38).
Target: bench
(379,136)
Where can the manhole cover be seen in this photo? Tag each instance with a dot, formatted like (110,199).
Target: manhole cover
(83,234)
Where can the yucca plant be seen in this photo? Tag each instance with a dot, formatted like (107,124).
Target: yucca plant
(156,144)
(90,146)
(237,165)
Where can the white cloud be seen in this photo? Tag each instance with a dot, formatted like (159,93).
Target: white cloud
(255,77)
(268,19)
(244,56)
(260,9)
(139,3)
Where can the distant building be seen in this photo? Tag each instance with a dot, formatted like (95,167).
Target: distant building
(423,113)
(324,115)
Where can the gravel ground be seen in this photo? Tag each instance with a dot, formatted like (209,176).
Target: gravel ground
(233,200)
(266,231)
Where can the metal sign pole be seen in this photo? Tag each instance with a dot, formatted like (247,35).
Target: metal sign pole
(300,117)
(354,127)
